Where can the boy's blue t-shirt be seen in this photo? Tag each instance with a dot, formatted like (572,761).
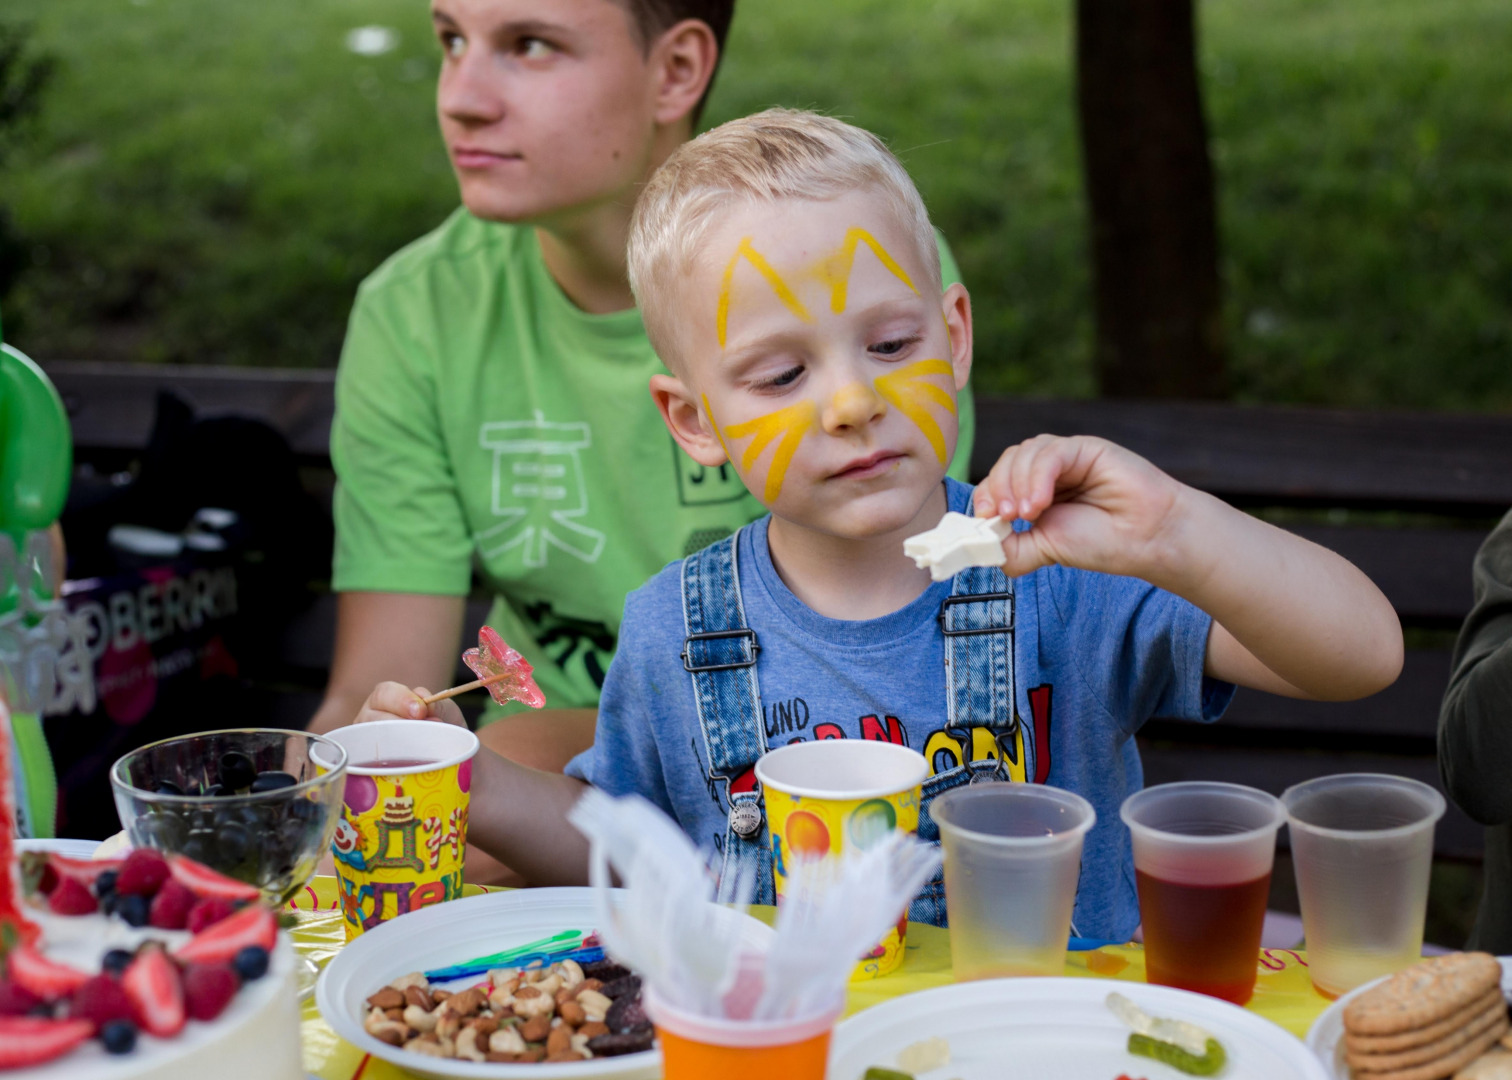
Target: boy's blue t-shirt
(1096,656)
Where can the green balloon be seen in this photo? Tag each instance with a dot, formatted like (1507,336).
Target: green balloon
(871,822)
(36,448)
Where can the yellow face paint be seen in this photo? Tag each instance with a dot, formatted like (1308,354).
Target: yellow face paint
(835,270)
(910,391)
(773,278)
(791,424)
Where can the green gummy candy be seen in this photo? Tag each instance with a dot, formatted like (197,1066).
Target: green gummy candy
(1206,1065)
(876,1072)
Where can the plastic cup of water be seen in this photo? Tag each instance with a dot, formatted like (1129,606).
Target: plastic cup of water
(1012,861)
(696,1047)
(1203,854)
(1362,844)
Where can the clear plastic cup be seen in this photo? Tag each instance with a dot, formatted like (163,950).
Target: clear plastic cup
(1362,844)
(696,1047)
(1203,854)
(1012,861)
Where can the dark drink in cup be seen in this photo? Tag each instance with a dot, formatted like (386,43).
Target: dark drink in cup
(1197,937)
(1202,864)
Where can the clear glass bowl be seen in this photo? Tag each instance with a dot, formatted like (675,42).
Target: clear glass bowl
(253,804)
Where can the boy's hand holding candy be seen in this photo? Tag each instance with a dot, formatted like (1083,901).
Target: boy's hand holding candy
(505,673)
(1289,616)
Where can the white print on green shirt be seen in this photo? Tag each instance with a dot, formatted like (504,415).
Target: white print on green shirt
(538,490)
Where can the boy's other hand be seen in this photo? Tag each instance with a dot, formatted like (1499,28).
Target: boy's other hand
(1094,505)
(395,701)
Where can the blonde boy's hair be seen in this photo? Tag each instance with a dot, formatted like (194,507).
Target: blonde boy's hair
(776,154)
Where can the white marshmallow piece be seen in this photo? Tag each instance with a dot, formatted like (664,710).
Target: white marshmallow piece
(957,542)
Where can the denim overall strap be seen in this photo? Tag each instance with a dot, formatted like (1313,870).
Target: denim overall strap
(720,655)
(977,623)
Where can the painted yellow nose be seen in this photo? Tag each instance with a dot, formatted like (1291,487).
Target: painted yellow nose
(853,405)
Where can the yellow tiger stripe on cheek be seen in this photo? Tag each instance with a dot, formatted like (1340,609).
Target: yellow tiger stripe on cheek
(909,390)
(788,426)
(773,279)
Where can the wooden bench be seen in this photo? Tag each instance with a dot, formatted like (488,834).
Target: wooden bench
(1408,497)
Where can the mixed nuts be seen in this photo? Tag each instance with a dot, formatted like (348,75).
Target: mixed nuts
(565,1012)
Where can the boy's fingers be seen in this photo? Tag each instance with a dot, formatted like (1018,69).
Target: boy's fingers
(1048,467)
(1022,554)
(1025,470)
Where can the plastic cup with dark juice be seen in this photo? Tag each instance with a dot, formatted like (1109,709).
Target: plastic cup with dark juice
(1202,863)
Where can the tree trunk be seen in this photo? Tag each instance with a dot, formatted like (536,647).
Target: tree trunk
(1150,195)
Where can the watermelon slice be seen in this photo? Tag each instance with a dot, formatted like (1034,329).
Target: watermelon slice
(219,943)
(206,883)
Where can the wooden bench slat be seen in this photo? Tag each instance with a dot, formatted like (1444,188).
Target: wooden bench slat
(1276,453)
(1281,454)
(1406,710)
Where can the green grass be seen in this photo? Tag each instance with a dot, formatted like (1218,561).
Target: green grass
(211,180)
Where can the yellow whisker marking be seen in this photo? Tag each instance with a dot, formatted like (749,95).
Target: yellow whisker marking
(908,390)
(791,424)
(835,270)
(779,287)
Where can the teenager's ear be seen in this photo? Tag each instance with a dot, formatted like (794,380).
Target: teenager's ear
(956,307)
(689,424)
(684,57)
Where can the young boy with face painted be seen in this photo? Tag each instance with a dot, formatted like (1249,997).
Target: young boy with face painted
(785,270)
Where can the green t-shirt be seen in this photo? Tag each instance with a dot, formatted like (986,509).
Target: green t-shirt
(483,421)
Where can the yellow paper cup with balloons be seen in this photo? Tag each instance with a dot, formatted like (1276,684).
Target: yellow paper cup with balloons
(830,796)
(403,830)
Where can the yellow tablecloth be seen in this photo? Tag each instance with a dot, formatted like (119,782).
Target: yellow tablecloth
(1283,992)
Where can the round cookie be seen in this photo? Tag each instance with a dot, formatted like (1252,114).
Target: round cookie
(1423,994)
(1441,1068)
(1387,1044)
(1494,1018)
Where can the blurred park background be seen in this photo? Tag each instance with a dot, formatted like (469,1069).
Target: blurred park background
(207,182)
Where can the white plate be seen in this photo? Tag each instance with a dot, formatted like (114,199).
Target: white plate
(1018,1029)
(454,933)
(1327,1033)
(73,849)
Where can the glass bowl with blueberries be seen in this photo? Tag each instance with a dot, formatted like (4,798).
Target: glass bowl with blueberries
(253,803)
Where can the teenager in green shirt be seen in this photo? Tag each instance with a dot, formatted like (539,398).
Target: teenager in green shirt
(493,410)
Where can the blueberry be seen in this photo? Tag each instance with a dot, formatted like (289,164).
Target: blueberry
(163,831)
(230,844)
(303,809)
(198,846)
(134,909)
(119,1036)
(273,781)
(105,883)
(237,771)
(116,961)
(166,787)
(251,962)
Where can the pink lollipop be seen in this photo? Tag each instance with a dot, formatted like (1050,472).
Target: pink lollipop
(505,672)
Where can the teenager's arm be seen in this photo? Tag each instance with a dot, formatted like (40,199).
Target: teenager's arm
(518,815)
(381,636)
(1289,616)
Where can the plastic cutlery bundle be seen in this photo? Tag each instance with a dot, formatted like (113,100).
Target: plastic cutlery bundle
(663,921)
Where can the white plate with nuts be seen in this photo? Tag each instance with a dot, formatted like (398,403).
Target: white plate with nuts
(455,933)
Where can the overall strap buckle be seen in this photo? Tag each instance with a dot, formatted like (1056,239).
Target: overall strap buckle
(749,649)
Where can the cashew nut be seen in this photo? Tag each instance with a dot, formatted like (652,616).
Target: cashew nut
(467,1045)
(419,1019)
(595,1005)
(572,973)
(506,1041)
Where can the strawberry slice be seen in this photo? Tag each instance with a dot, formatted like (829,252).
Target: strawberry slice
(157,996)
(48,979)
(207,883)
(84,871)
(31,1040)
(219,943)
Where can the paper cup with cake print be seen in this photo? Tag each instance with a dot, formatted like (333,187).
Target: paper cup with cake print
(403,828)
(827,797)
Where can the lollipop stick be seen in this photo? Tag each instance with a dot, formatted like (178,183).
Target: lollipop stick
(465,687)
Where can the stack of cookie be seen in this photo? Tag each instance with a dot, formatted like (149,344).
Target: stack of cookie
(1428,1022)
